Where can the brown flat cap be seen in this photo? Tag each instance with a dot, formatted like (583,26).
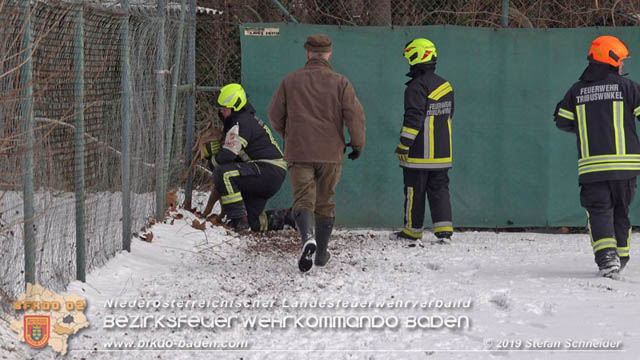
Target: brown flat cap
(318,43)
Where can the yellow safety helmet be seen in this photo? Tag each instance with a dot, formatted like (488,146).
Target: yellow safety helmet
(420,51)
(232,96)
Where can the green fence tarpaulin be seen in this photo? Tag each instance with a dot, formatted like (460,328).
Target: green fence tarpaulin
(511,166)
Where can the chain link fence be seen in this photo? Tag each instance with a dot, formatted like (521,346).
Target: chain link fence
(218,41)
(476,13)
(68,84)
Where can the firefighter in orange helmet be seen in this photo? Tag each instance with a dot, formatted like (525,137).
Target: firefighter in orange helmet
(601,109)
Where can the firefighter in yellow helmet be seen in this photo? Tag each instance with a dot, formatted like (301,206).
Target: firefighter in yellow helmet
(425,144)
(248,168)
(601,109)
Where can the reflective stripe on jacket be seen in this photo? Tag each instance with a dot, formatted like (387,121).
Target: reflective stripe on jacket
(601,110)
(249,139)
(426,129)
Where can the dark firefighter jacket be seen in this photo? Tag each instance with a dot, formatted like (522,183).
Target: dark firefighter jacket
(248,138)
(426,129)
(601,110)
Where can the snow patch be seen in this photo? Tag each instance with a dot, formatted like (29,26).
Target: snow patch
(540,293)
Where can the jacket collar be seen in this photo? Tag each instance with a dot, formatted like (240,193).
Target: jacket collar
(419,69)
(229,120)
(247,109)
(597,71)
(318,62)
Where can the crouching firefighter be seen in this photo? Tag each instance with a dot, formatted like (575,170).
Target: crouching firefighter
(425,144)
(601,109)
(248,168)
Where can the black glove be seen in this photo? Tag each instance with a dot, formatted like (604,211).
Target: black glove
(354,154)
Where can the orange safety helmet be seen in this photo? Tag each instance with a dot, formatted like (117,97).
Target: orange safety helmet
(609,50)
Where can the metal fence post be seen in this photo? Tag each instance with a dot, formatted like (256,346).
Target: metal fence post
(175,75)
(284,11)
(208,88)
(126,130)
(505,13)
(161,66)
(78,67)
(191,101)
(26,84)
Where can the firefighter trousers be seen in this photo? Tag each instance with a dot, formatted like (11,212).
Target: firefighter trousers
(244,189)
(607,205)
(434,185)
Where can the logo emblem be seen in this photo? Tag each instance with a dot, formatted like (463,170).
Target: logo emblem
(36,330)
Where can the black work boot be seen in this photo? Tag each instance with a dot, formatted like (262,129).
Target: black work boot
(623,262)
(304,223)
(239,224)
(324,227)
(238,214)
(277,219)
(289,219)
(608,263)
(443,237)
(401,235)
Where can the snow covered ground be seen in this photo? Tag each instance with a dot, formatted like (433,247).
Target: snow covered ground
(55,234)
(525,289)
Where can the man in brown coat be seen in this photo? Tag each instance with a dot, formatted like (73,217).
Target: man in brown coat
(310,110)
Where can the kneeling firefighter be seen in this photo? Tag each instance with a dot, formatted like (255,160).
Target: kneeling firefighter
(248,168)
